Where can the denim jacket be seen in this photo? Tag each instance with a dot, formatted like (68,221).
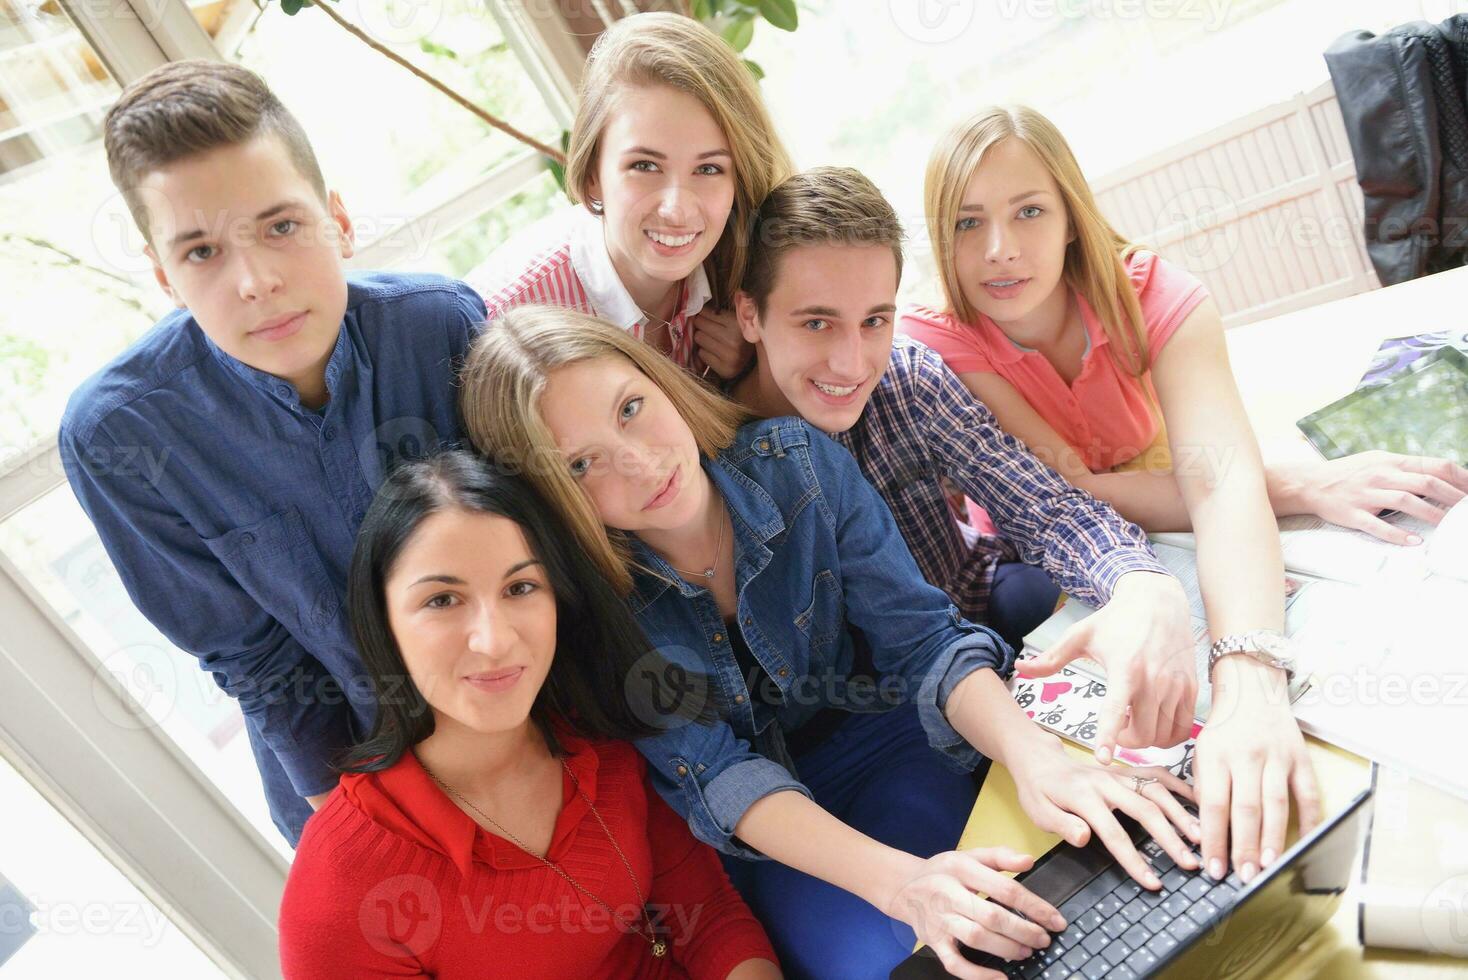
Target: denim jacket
(816,551)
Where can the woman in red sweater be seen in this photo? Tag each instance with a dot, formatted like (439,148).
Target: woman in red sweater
(476,832)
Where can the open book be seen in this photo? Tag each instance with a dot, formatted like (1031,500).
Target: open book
(1383,662)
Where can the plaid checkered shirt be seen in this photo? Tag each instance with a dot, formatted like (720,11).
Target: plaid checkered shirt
(922,426)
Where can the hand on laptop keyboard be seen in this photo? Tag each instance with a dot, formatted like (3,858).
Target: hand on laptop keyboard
(1077,798)
(1119,931)
(940,904)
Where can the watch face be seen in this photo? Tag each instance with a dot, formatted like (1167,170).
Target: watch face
(1275,646)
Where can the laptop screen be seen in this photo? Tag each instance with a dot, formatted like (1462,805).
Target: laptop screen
(1282,910)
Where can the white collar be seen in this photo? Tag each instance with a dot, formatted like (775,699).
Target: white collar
(593,266)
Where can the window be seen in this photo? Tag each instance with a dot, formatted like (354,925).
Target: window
(76,286)
(432,150)
(1122,79)
(53,545)
(84,919)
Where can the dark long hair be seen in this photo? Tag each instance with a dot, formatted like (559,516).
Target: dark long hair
(601,654)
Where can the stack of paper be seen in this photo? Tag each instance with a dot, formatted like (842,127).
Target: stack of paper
(1379,640)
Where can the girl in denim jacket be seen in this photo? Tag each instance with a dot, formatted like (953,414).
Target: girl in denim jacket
(852,698)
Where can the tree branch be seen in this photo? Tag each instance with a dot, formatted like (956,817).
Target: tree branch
(500,124)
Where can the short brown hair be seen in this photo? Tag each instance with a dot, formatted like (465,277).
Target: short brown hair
(681,53)
(820,206)
(188,107)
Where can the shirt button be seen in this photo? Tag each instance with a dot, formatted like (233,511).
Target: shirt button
(329,432)
(682,771)
(247,539)
(783,671)
(764,445)
(738,699)
(718,637)
(748,620)
(283,391)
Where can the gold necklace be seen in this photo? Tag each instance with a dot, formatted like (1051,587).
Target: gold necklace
(659,948)
(707,573)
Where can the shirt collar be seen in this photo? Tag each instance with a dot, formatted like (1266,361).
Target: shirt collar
(1006,351)
(610,299)
(753,512)
(278,388)
(406,801)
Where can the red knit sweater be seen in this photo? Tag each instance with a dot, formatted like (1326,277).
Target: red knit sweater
(391,879)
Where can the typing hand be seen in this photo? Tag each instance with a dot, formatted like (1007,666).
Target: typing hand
(1075,798)
(1352,490)
(1249,759)
(719,344)
(1143,639)
(938,900)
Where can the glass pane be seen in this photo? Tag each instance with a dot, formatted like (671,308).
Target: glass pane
(65,911)
(53,545)
(1122,80)
(388,142)
(457,253)
(77,286)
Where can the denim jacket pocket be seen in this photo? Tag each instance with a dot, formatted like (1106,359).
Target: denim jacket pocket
(275,562)
(824,616)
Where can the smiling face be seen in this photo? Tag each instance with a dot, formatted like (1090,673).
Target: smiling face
(665,177)
(825,337)
(241,238)
(1010,237)
(625,444)
(474,616)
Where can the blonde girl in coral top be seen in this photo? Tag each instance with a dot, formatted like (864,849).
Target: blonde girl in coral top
(1088,349)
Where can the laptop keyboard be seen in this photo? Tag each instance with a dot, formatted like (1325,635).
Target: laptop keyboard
(1119,930)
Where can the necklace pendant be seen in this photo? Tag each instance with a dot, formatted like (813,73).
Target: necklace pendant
(659,949)
(708,573)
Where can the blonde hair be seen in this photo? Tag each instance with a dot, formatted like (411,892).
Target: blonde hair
(1094,261)
(504,376)
(679,52)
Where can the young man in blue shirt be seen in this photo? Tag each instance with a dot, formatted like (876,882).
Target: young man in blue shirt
(275,396)
(818,303)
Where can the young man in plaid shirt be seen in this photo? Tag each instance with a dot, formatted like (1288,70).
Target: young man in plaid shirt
(818,303)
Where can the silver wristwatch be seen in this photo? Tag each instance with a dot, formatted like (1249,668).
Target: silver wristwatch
(1266,646)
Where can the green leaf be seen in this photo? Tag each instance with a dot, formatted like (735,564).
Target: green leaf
(700,10)
(739,33)
(430,47)
(755,70)
(781,13)
(558,172)
(291,7)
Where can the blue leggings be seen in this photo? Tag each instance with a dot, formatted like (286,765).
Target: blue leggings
(877,774)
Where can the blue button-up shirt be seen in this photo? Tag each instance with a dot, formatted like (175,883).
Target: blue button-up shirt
(815,551)
(230,510)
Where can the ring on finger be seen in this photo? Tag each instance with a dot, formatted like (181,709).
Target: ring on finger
(1139,781)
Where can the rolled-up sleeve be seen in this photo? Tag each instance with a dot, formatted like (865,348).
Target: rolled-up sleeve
(711,777)
(914,630)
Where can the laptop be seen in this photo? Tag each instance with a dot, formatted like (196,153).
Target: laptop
(1194,928)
